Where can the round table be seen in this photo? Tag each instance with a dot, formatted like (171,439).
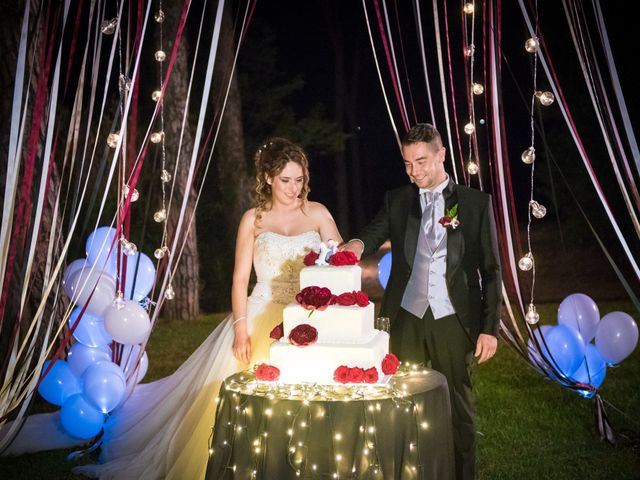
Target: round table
(275,431)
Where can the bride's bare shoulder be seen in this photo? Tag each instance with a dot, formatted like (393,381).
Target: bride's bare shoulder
(317,209)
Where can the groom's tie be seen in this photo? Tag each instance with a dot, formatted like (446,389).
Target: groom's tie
(428,220)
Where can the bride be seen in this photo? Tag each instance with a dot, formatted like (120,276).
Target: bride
(162,431)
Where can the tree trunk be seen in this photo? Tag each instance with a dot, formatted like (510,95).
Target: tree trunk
(186,281)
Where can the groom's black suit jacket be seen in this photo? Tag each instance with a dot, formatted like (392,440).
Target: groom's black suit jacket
(473,275)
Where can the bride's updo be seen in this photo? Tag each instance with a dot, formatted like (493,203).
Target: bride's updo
(271,158)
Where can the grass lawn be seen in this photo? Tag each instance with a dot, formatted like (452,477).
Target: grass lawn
(530,428)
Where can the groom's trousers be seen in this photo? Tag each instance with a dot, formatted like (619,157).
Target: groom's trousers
(448,347)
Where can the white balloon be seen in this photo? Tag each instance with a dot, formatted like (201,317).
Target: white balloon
(83,283)
(82,357)
(70,270)
(90,330)
(99,251)
(128,361)
(129,324)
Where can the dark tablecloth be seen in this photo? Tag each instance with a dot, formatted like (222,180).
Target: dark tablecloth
(401,432)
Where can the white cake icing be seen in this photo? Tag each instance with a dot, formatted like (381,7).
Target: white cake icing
(336,324)
(346,335)
(337,279)
(317,363)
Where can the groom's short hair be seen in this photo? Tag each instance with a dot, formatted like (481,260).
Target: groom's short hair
(422,132)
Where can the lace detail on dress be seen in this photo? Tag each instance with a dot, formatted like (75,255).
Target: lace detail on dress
(278,260)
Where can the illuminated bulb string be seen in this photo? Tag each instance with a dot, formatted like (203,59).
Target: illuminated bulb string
(470,128)
(303,416)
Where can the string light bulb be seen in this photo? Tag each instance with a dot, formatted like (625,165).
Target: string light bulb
(170,294)
(468,8)
(531,45)
(160,216)
(526,262)
(155,95)
(469,128)
(128,248)
(107,27)
(477,89)
(156,137)
(165,176)
(135,195)
(545,98)
(528,156)
(537,210)
(159,16)
(160,55)
(470,50)
(472,168)
(112,140)
(159,253)
(532,316)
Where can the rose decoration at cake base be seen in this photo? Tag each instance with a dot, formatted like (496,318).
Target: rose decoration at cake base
(303,335)
(267,373)
(348,299)
(344,374)
(390,364)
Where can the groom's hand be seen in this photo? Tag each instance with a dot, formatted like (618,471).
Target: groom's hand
(356,246)
(486,347)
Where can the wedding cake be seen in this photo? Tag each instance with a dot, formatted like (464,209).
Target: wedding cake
(327,336)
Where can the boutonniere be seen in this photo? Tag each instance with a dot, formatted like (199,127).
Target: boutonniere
(450,219)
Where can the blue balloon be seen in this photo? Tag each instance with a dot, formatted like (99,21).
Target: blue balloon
(384,269)
(81,357)
(99,250)
(90,330)
(593,369)
(144,276)
(565,349)
(81,419)
(104,385)
(59,384)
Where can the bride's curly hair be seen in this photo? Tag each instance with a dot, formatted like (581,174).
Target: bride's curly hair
(271,158)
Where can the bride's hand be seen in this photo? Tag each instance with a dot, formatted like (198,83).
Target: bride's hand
(242,346)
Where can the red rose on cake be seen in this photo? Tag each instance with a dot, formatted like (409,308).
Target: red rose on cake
(303,335)
(267,373)
(371,375)
(314,298)
(341,375)
(278,332)
(390,364)
(356,375)
(310,258)
(340,259)
(348,299)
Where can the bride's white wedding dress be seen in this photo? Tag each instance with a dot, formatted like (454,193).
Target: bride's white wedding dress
(162,431)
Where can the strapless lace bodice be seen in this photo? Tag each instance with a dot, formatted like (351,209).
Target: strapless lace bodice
(278,260)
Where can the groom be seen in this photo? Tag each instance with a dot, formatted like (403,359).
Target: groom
(444,291)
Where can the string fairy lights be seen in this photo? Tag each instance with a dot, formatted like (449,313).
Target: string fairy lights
(528,157)
(475,88)
(303,410)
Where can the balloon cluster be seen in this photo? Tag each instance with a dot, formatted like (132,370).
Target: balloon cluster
(88,385)
(569,349)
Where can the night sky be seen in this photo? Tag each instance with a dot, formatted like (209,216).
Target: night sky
(304,47)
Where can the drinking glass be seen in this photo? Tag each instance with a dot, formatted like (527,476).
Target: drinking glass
(383,324)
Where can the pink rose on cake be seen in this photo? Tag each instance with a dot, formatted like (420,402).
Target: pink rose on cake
(267,372)
(303,335)
(371,375)
(341,375)
(390,364)
(310,258)
(340,259)
(278,332)
(314,298)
